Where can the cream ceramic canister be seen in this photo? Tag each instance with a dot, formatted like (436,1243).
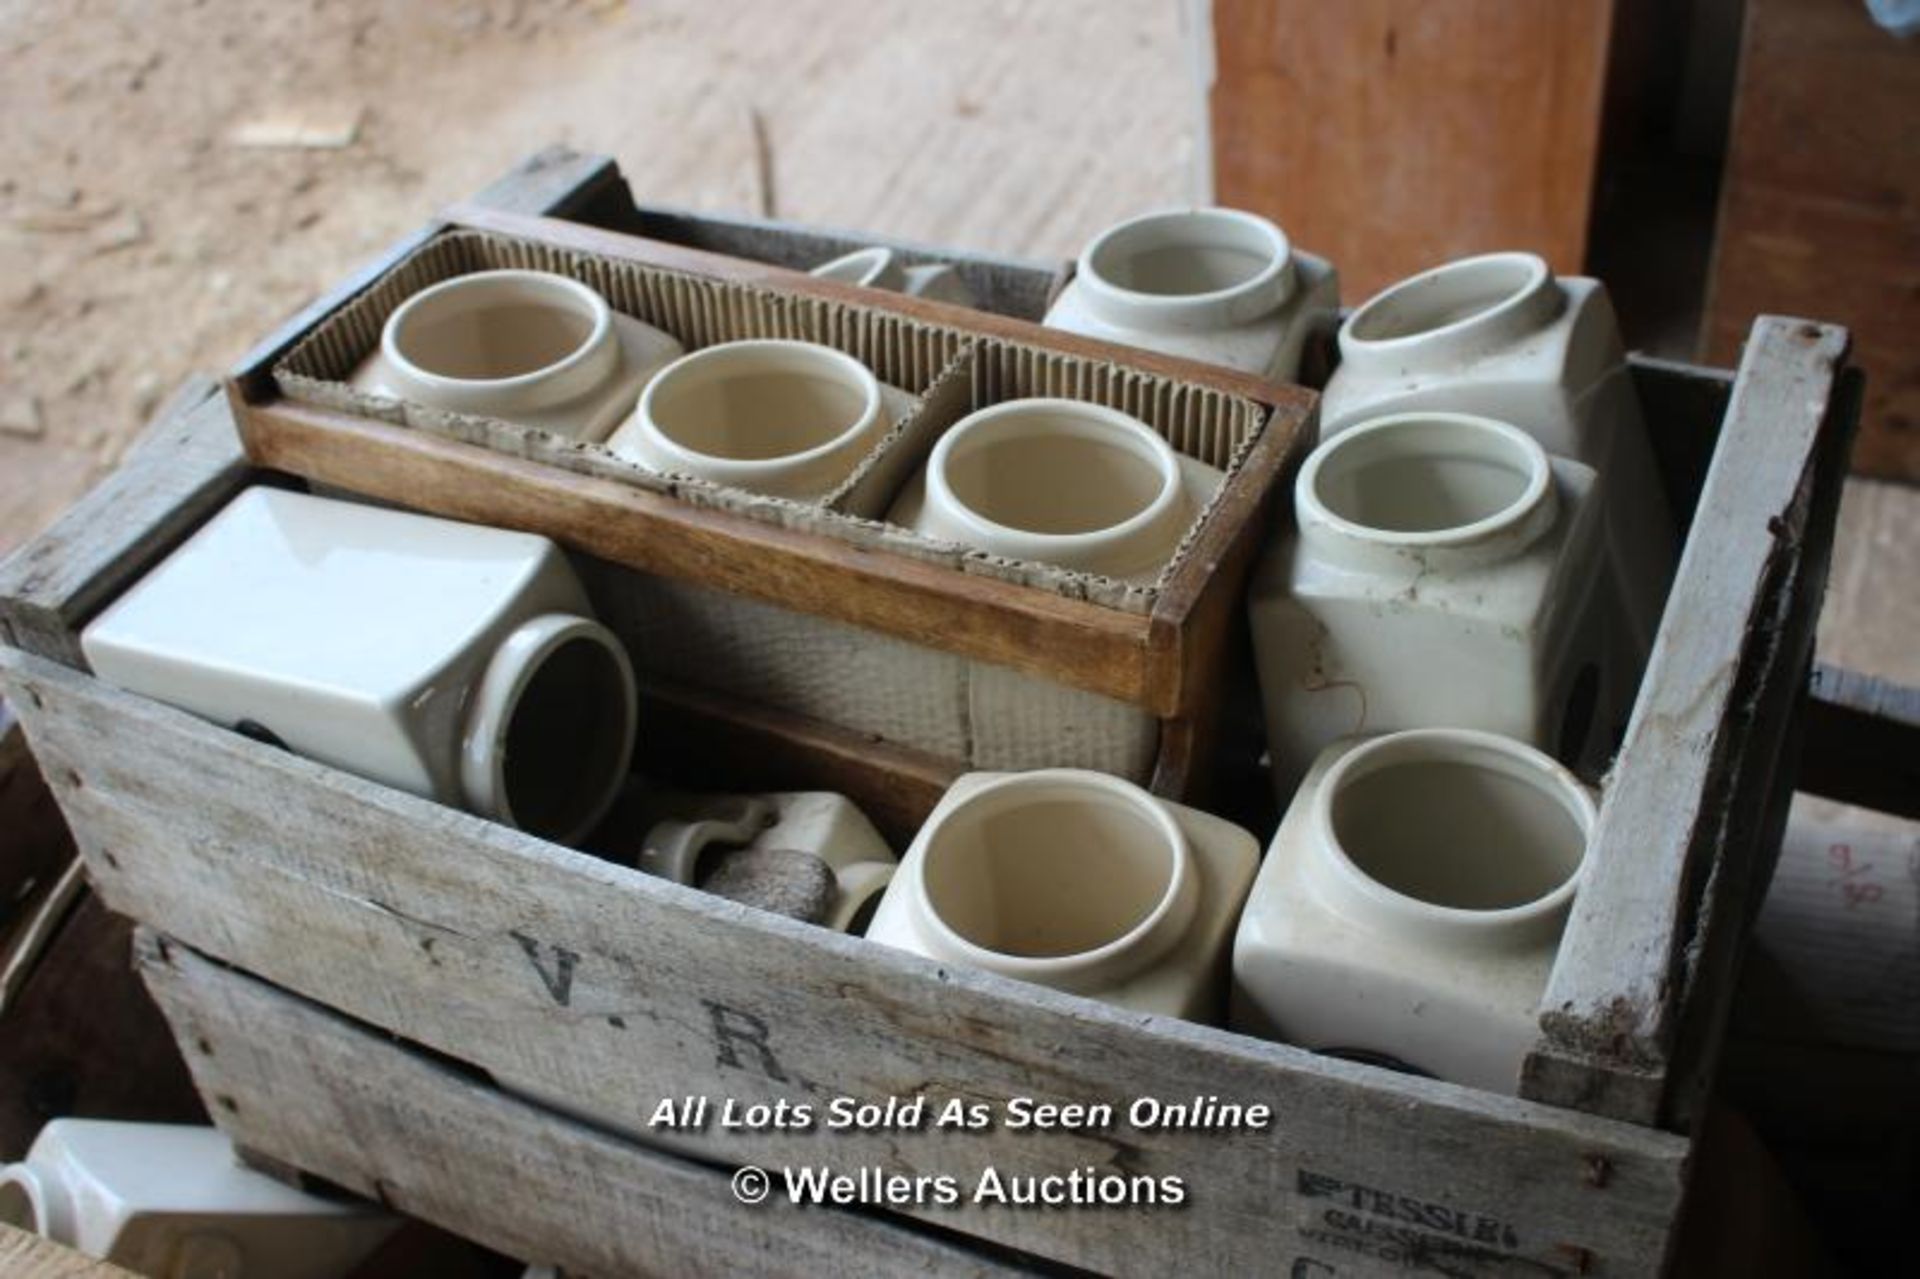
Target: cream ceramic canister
(174,1200)
(457,662)
(1443,571)
(1061,482)
(871,268)
(784,418)
(1499,335)
(1410,906)
(529,347)
(1075,880)
(1217,285)
(817,823)
(878,267)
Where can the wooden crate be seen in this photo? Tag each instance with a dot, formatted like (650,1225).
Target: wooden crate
(1170,660)
(348,967)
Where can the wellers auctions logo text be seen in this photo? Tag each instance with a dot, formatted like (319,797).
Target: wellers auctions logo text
(1086,1186)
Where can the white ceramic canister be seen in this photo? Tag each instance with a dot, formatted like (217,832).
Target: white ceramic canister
(457,662)
(788,419)
(878,267)
(1444,571)
(1218,285)
(686,829)
(1411,904)
(174,1200)
(1075,880)
(1059,482)
(1498,335)
(871,268)
(529,347)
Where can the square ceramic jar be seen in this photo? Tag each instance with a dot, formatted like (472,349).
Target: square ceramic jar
(1075,880)
(529,347)
(1499,336)
(1411,904)
(174,1199)
(1444,571)
(457,662)
(1220,286)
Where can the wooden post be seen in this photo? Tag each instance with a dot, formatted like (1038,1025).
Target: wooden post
(1392,135)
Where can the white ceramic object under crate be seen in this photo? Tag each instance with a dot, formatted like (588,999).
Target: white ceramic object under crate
(1221,286)
(1411,903)
(818,823)
(1499,335)
(173,1201)
(788,419)
(1443,571)
(1060,482)
(528,347)
(457,662)
(1078,881)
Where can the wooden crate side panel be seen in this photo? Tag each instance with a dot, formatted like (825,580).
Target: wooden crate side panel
(1718,668)
(177,474)
(297,1083)
(592,982)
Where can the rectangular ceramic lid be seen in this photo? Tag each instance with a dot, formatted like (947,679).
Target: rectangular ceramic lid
(332,593)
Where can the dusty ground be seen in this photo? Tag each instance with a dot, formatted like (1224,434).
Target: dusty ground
(140,240)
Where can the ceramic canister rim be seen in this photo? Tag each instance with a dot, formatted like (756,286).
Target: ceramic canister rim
(1112,960)
(878,267)
(587,365)
(1085,420)
(1514,525)
(1454,745)
(1528,304)
(1238,303)
(496,697)
(746,472)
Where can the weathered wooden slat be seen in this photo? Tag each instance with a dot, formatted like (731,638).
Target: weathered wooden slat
(1084,645)
(1863,741)
(177,474)
(615,990)
(1722,658)
(1773,698)
(306,1086)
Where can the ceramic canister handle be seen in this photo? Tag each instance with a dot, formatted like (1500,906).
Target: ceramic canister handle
(672,848)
